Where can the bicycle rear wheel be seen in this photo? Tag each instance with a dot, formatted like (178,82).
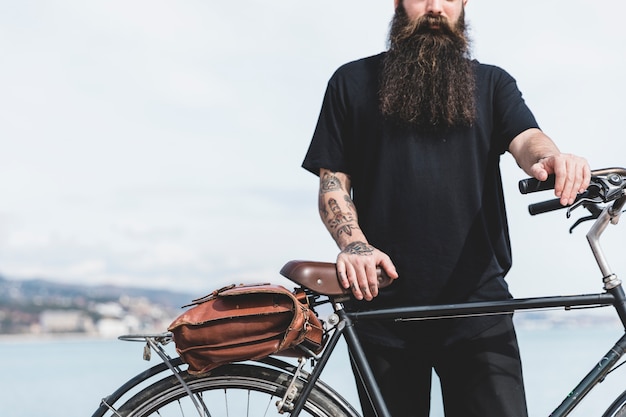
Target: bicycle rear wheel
(230,391)
(618,408)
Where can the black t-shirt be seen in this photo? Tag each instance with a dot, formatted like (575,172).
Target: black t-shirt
(432,200)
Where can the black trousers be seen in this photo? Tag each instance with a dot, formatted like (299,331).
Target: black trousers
(480,374)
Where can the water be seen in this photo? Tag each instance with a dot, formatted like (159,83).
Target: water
(68,377)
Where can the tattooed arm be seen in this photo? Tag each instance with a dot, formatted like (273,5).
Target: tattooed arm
(357,261)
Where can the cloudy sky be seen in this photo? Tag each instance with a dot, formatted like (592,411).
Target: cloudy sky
(158,143)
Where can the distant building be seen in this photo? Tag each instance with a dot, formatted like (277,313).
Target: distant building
(110,327)
(65,321)
(111,309)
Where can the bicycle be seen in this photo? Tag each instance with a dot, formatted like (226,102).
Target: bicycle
(274,386)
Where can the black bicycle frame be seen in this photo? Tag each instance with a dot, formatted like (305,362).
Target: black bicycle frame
(614,297)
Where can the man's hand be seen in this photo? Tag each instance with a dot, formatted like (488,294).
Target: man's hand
(539,157)
(572,175)
(356,267)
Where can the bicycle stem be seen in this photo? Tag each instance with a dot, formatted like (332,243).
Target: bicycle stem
(593,237)
(612,284)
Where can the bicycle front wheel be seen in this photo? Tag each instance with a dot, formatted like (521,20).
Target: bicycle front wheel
(230,391)
(618,408)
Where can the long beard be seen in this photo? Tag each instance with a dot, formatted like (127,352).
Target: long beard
(427,78)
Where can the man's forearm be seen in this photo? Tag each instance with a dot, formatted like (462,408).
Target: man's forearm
(337,210)
(530,147)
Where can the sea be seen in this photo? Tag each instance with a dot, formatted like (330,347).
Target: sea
(68,376)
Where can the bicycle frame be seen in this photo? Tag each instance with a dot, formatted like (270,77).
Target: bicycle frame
(345,329)
(613,297)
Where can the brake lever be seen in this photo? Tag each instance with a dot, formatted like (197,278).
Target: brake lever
(582,219)
(583,201)
(592,206)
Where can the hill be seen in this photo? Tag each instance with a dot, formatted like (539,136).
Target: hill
(32,289)
(43,306)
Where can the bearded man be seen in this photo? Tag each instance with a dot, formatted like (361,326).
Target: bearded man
(407,148)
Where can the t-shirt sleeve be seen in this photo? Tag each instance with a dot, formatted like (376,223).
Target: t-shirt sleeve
(326,149)
(511,114)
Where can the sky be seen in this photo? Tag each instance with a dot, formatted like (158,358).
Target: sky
(158,143)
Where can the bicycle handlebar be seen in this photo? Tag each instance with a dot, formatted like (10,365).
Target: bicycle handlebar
(545,206)
(606,185)
(533,185)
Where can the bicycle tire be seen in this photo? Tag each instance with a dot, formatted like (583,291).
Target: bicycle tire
(618,408)
(231,391)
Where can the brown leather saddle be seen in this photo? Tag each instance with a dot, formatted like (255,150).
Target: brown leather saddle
(321,277)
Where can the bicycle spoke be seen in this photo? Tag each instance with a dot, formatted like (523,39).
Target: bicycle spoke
(234,391)
(269,404)
(226,402)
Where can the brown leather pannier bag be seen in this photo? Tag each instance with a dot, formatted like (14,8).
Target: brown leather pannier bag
(244,322)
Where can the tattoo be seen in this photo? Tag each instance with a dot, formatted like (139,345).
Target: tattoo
(334,207)
(349,202)
(330,182)
(346,229)
(343,223)
(358,248)
(338,222)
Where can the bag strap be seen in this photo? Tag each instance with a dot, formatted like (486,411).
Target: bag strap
(216,293)
(208,297)
(301,296)
(233,289)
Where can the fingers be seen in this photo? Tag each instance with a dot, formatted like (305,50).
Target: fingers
(362,280)
(389,268)
(572,175)
(539,172)
(586,178)
(358,273)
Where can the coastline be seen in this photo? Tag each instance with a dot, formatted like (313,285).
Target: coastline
(48,337)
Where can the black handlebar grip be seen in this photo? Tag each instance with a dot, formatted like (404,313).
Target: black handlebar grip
(545,206)
(532,185)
